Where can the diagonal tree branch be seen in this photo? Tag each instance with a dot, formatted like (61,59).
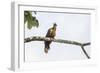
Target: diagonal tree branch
(85,52)
(39,38)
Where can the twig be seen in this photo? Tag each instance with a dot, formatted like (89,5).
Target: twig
(85,52)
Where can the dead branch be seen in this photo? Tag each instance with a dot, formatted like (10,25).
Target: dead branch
(38,38)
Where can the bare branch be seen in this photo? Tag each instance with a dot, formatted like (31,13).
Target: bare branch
(38,38)
(85,52)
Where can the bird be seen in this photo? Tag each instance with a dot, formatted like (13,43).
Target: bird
(51,33)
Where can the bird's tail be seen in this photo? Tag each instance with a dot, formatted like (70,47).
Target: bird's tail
(47,47)
(45,50)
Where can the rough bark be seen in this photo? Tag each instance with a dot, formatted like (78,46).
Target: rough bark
(38,38)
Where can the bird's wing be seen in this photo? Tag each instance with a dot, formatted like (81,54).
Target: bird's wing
(49,33)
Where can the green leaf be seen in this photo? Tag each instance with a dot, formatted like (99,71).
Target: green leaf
(31,20)
(35,22)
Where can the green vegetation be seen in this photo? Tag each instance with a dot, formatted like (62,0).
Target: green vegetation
(31,20)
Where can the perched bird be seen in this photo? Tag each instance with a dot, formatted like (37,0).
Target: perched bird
(51,34)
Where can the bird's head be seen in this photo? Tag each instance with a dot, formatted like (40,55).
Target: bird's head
(54,25)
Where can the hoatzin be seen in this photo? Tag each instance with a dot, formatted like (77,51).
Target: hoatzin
(50,34)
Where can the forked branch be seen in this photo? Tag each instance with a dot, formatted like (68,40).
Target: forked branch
(38,38)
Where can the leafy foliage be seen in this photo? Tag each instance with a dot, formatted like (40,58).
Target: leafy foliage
(31,20)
